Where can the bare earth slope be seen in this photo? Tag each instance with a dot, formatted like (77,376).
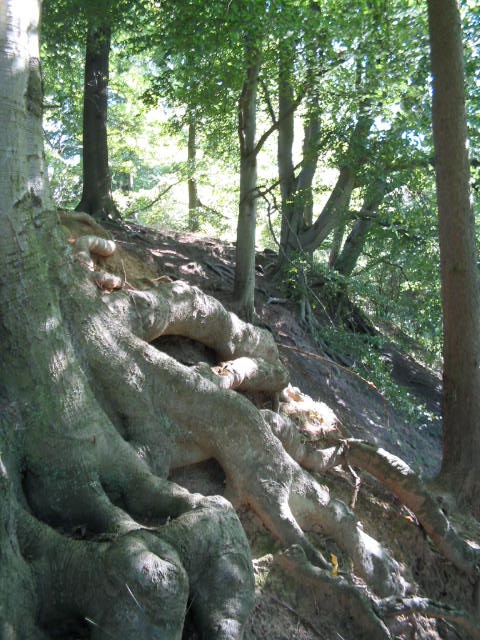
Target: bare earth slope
(209,264)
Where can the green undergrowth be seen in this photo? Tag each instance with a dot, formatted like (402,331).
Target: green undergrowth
(352,327)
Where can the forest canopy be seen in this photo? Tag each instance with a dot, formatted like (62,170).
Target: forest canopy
(343,135)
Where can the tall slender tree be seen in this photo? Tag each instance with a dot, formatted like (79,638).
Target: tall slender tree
(193,199)
(352,249)
(97,184)
(458,256)
(244,288)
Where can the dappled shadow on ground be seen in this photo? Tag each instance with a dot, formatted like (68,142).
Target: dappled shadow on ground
(207,263)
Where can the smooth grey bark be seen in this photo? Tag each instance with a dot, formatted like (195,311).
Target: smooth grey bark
(296,190)
(458,258)
(63,465)
(97,188)
(193,200)
(244,286)
(20,165)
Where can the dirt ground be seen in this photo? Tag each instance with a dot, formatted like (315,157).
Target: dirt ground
(284,610)
(209,264)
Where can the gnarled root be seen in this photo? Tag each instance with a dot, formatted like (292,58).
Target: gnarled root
(86,246)
(397,476)
(394,606)
(216,555)
(246,374)
(369,613)
(170,411)
(394,473)
(136,578)
(136,585)
(102,489)
(171,415)
(347,598)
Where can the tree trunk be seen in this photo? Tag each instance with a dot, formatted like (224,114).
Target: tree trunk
(97,189)
(458,256)
(292,219)
(62,462)
(337,242)
(333,211)
(310,153)
(193,200)
(21,185)
(296,191)
(356,239)
(244,287)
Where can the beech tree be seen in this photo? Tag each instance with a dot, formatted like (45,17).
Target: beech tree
(459,258)
(244,289)
(96,197)
(68,28)
(93,537)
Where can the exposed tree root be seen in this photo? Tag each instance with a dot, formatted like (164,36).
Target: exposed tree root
(394,473)
(133,414)
(348,598)
(145,572)
(397,476)
(85,247)
(147,547)
(140,577)
(393,606)
(250,374)
(158,393)
(369,613)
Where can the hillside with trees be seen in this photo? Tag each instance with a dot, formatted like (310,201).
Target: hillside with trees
(236,256)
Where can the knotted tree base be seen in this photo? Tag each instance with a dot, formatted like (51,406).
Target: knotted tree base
(95,537)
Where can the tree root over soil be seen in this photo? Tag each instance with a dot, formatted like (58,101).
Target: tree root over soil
(114,544)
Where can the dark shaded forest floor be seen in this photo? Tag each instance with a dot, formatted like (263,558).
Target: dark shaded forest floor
(283,611)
